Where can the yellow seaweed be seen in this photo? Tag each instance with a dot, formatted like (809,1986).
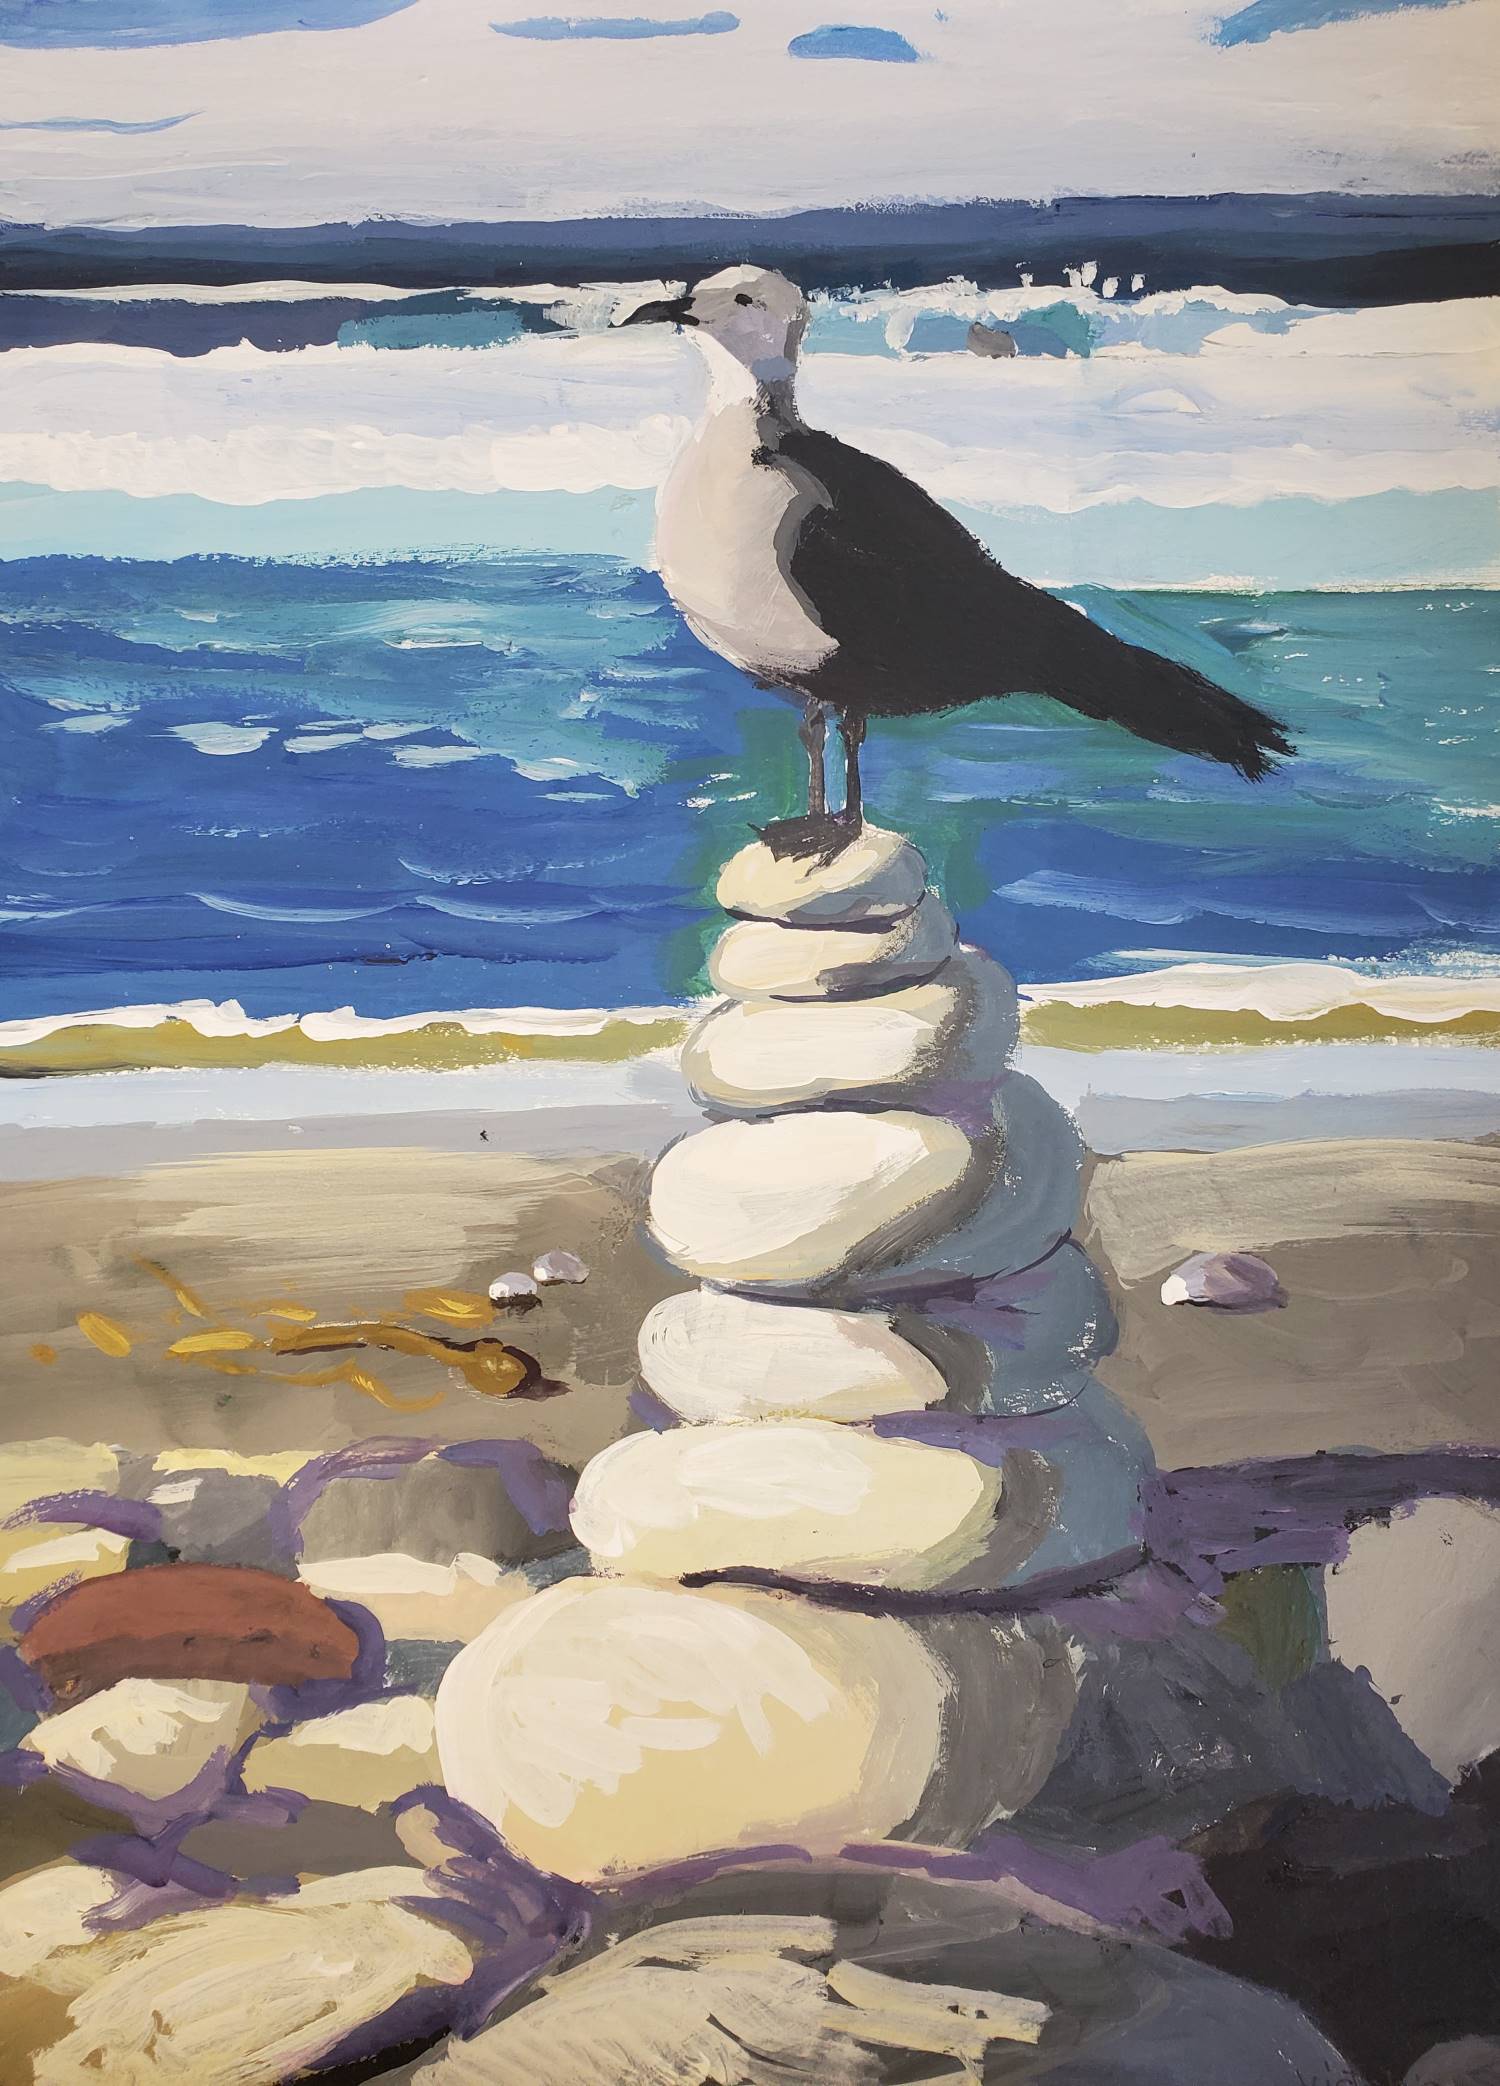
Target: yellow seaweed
(457,1306)
(487,1366)
(221,1340)
(109,1338)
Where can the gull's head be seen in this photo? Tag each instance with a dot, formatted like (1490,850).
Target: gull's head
(753,315)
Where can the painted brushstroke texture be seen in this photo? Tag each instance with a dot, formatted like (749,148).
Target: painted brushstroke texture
(1005,102)
(849,40)
(555,28)
(1265,18)
(100,123)
(104,25)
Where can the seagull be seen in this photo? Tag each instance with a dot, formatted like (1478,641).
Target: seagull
(827,576)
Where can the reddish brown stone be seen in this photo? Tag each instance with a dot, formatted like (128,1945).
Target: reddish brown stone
(187,1622)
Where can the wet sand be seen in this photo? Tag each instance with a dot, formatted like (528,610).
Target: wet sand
(1389,1253)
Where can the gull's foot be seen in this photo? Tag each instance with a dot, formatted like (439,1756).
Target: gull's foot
(822,835)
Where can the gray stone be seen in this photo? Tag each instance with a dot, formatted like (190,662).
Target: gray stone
(433,1510)
(1029,1208)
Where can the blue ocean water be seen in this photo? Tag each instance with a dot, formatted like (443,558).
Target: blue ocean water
(437,785)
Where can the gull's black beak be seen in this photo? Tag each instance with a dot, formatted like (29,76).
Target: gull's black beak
(662,311)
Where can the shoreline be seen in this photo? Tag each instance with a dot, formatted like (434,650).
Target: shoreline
(1179,1007)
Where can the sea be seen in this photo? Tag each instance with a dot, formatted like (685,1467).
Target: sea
(389,762)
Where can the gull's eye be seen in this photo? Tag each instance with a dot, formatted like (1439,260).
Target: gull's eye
(744,297)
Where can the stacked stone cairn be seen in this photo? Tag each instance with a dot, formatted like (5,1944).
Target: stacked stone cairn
(874,1411)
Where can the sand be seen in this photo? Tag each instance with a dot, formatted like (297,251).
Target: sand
(1389,1252)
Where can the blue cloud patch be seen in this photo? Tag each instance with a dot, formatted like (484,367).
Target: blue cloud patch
(113,25)
(1266,18)
(572,28)
(105,123)
(847,40)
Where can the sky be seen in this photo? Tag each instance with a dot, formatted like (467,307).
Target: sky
(215,111)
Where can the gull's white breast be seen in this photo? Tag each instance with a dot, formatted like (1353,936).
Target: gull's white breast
(724,522)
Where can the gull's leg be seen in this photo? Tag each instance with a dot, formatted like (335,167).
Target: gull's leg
(853,732)
(813,732)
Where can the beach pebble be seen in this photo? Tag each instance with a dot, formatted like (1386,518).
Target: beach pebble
(187,1622)
(760,960)
(1416,1603)
(148,1738)
(432,1508)
(1029,1209)
(39,1554)
(690,1998)
(49,1910)
(709,1354)
(217,1516)
(364,1756)
(45,1556)
(252,1992)
(798,1200)
(605,1727)
(878,876)
(513,1288)
(37,1470)
(416,1600)
(809,1499)
(559,1266)
(1474,2060)
(1229,1281)
(756,1056)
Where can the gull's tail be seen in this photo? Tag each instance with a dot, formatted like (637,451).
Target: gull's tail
(1173,705)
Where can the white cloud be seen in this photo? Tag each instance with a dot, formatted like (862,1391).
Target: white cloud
(429,113)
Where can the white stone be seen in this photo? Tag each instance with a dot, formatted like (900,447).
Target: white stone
(760,960)
(507,1289)
(709,1354)
(559,1266)
(810,1499)
(878,876)
(364,1756)
(250,1993)
(50,1909)
(755,1056)
(693,1999)
(605,1727)
(150,1738)
(1028,1210)
(1417,1604)
(412,1598)
(798,1199)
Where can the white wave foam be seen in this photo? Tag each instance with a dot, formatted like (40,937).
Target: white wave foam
(227,1019)
(1335,406)
(1281,992)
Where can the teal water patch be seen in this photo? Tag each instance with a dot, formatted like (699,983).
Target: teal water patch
(1394,539)
(388,522)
